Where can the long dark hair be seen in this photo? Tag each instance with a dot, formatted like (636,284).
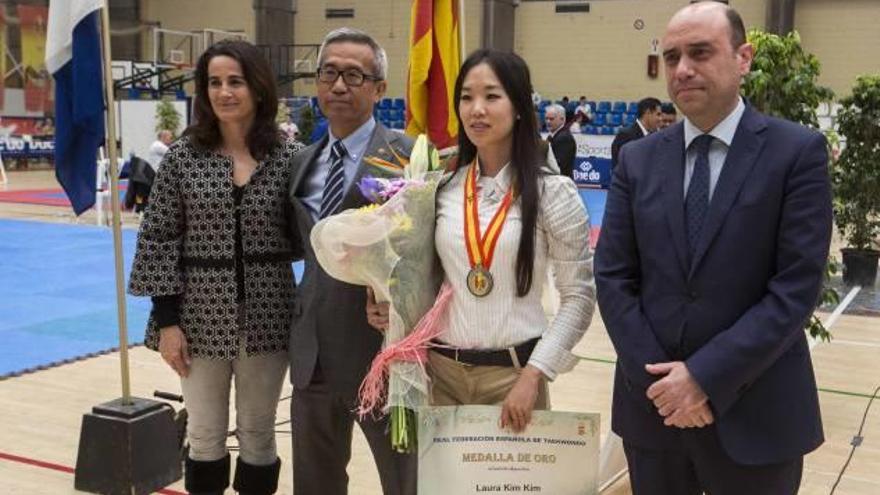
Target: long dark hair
(514,75)
(263,135)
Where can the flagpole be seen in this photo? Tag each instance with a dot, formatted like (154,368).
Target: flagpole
(110,144)
(461,37)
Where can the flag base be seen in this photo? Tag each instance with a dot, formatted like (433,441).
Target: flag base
(129,449)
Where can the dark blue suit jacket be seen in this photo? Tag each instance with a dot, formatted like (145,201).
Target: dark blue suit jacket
(735,312)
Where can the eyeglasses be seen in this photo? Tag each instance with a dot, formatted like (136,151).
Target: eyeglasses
(351,77)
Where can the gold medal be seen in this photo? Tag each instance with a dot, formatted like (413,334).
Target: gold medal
(479,281)
(481,248)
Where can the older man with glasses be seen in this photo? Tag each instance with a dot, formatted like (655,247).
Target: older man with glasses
(331,343)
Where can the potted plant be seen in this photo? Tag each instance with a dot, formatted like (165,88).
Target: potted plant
(856,180)
(167,117)
(306,123)
(783,82)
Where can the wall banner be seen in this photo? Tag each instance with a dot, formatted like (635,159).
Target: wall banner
(37,81)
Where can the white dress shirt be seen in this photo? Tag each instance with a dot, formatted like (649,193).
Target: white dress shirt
(502,319)
(723,134)
(156,153)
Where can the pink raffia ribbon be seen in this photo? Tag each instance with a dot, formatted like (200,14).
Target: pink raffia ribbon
(413,349)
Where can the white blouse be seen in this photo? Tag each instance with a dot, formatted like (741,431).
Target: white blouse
(501,319)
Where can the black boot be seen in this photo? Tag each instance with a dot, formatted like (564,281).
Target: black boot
(256,480)
(207,477)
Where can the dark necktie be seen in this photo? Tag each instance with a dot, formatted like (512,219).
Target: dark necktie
(334,186)
(696,203)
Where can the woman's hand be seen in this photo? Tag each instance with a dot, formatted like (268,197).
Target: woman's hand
(377,313)
(516,410)
(173,348)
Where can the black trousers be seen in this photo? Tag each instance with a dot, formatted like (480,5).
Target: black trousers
(699,465)
(322,424)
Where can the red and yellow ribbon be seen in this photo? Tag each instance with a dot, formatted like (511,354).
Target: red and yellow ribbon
(481,249)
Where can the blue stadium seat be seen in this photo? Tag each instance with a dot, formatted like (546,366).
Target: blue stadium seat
(599,119)
(633,107)
(592,105)
(591,129)
(619,107)
(543,104)
(385,103)
(398,124)
(615,120)
(608,130)
(604,107)
(399,104)
(629,119)
(396,114)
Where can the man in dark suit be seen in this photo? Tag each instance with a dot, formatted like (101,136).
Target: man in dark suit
(648,121)
(668,115)
(711,258)
(560,139)
(331,343)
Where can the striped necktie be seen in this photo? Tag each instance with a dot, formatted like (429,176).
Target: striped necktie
(696,203)
(334,187)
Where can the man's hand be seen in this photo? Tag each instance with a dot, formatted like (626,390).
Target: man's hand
(377,313)
(678,397)
(516,410)
(174,350)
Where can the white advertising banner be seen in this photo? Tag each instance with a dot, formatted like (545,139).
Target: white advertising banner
(592,163)
(462,450)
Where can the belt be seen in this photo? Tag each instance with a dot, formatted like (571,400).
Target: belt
(478,357)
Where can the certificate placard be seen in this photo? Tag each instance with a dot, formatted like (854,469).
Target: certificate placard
(462,450)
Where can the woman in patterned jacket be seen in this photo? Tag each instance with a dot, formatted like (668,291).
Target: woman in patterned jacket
(214,253)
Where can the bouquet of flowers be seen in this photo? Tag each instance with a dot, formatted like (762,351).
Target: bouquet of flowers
(389,246)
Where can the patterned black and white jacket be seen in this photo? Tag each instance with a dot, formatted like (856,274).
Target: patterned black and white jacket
(186,247)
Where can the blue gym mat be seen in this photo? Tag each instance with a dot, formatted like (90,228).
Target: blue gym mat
(58,294)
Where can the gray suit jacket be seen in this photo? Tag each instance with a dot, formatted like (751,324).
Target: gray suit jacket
(329,322)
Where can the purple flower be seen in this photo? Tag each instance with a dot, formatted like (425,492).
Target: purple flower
(371,188)
(394,186)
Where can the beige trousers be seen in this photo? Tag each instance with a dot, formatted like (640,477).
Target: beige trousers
(454,383)
(206,390)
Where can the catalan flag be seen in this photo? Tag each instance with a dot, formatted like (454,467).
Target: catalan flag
(434,60)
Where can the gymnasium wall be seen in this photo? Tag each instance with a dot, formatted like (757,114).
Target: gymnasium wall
(601,54)
(844,35)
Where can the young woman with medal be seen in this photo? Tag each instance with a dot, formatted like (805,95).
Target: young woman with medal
(504,220)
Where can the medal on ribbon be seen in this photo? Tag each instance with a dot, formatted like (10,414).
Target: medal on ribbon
(481,248)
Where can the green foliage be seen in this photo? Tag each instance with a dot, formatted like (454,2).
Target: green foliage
(856,174)
(167,117)
(283,114)
(306,123)
(783,80)
(828,297)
